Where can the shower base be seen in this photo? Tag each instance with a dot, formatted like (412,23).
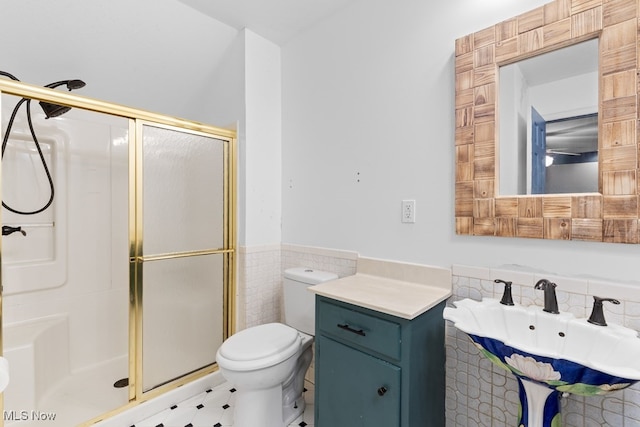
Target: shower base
(76,398)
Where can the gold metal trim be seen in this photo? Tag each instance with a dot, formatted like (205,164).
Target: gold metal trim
(232,198)
(138,227)
(138,119)
(225,265)
(139,258)
(69,99)
(204,132)
(173,255)
(133,266)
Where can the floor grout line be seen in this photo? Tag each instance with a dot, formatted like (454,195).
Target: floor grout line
(214,407)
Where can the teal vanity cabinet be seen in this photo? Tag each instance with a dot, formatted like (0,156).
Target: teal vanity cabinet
(378,370)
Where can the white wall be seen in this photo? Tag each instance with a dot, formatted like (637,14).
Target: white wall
(567,97)
(368,120)
(262,150)
(367,115)
(513,102)
(158,55)
(161,55)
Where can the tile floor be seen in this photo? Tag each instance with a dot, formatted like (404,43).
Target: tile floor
(214,408)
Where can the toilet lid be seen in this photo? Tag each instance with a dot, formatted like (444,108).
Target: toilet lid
(259,342)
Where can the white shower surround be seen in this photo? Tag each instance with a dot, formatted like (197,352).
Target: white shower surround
(68,311)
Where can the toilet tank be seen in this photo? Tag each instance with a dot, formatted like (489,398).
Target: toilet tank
(299,302)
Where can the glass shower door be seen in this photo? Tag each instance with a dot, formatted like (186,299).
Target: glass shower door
(183,254)
(100,310)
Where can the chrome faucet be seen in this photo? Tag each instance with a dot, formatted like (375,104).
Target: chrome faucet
(550,300)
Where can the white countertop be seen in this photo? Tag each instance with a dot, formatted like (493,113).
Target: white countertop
(385,293)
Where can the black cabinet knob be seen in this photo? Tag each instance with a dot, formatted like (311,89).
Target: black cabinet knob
(382,390)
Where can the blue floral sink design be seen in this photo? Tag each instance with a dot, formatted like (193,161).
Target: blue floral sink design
(549,354)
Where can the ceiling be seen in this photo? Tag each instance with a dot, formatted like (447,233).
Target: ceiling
(275,20)
(562,63)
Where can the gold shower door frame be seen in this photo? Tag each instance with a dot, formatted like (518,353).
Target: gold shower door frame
(137,120)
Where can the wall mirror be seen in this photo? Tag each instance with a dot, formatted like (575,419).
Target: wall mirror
(490,201)
(548,132)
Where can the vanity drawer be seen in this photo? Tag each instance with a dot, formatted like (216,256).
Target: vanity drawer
(352,326)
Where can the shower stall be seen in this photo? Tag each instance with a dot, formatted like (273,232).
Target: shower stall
(121,288)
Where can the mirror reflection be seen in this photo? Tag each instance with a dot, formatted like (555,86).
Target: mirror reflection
(548,134)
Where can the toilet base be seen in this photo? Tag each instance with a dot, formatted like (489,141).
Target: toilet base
(294,410)
(265,408)
(259,408)
(293,402)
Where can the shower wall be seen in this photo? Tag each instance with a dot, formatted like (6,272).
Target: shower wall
(74,257)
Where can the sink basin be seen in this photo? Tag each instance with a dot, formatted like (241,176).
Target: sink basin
(549,354)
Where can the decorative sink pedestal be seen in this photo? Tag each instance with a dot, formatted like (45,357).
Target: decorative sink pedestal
(539,405)
(549,354)
(543,380)
(539,401)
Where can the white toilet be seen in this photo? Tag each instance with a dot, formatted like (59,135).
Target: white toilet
(267,363)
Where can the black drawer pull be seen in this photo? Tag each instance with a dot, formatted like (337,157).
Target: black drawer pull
(381,391)
(350,329)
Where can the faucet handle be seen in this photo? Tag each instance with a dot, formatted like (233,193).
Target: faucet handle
(597,313)
(7,229)
(544,284)
(507,299)
(550,300)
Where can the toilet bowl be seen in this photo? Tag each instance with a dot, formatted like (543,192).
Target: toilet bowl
(267,363)
(269,383)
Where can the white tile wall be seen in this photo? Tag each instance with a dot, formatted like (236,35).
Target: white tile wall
(260,272)
(481,394)
(342,263)
(259,286)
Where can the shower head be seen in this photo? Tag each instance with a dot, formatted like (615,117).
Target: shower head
(71,84)
(55,110)
(75,84)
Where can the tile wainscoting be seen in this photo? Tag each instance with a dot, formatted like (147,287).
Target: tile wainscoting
(259,286)
(478,393)
(260,273)
(342,263)
(481,394)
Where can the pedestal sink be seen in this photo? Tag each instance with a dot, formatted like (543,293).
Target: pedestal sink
(550,354)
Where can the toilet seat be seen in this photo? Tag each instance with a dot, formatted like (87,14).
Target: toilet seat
(259,347)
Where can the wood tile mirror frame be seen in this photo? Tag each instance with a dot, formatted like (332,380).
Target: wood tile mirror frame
(610,215)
